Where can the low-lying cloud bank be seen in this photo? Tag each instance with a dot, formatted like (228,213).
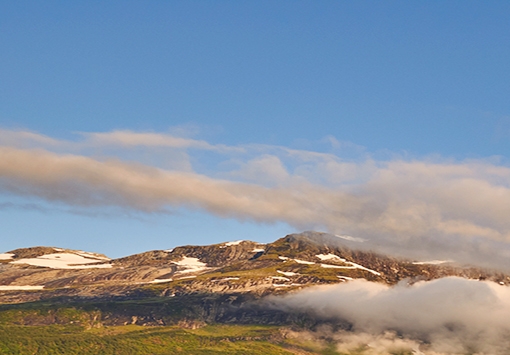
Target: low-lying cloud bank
(445,316)
(429,208)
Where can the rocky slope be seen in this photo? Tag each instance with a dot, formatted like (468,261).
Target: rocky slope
(242,267)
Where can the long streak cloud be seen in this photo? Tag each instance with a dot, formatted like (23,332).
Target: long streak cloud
(420,208)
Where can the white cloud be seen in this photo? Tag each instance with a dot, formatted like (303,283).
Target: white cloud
(428,208)
(454,315)
(21,138)
(266,170)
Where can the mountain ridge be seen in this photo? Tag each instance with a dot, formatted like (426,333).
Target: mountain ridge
(293,262)
(244,284)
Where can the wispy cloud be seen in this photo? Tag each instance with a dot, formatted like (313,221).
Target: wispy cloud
(22,138)
(431,208)
(149,139)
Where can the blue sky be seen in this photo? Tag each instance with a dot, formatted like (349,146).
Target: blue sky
(393,94)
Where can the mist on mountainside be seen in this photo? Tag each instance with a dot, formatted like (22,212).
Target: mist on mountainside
(445,316)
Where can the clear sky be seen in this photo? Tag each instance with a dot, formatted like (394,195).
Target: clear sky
(134,125)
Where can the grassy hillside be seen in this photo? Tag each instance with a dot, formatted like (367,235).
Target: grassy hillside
(131,339)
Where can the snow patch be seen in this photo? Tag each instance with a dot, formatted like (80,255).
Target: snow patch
(431,262)
(230,278)
(190,265)
(20,288)
(287,273)
(158,281)
(304,262)
(297,260)
(6,256)
(280,278)
(258,250)
(86,254)
(329,266)
(236,242)
(63,261)
(328,257)
(229,244)
(351,266)
(286,285)
(357,266)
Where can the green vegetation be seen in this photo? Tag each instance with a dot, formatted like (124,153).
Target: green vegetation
(175,317)
(84,328)
(130,339)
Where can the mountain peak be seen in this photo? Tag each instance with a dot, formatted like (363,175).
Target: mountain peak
(34,252)
(55,258)
(294,261)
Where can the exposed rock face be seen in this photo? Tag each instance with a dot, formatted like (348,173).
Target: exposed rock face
(244,267)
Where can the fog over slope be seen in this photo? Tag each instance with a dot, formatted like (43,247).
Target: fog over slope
(450,315)
(421,208)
